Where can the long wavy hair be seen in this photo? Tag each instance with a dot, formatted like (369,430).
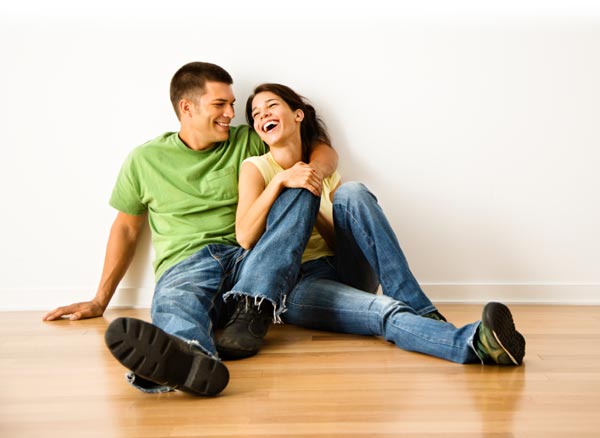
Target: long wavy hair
(312,128)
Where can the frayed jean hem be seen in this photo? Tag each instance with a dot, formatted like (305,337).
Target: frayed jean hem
(144,385)
(278,308)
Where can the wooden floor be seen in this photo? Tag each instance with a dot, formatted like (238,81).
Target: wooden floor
(58,379)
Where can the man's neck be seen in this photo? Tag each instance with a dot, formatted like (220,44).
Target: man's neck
(194,142)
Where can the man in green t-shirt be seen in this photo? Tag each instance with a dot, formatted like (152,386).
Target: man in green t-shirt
(185,185)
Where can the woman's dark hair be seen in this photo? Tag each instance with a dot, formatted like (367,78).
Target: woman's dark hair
(312,128)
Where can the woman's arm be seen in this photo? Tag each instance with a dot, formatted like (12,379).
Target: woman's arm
(255,200)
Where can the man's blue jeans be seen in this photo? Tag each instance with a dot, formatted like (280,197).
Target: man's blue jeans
(189,298)
(322,301)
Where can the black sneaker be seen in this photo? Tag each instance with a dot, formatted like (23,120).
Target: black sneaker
(244,332)
(497,340)
(164,359)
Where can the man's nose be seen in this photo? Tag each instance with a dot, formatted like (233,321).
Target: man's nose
(229,112)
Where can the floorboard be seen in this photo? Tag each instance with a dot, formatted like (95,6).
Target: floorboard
(60,380)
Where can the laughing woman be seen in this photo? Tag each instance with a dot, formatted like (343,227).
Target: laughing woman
(353,248)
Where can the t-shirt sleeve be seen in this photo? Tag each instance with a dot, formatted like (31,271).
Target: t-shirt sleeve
(256,146)
(126,195)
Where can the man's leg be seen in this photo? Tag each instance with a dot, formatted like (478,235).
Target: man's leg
(163,361)
(268,273)
(328,305)
(360,220)
(178,349)
(352,266)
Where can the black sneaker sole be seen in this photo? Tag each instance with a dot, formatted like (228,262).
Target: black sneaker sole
(155,355)
(498,318)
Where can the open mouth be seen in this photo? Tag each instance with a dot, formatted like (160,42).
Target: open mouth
(269,126)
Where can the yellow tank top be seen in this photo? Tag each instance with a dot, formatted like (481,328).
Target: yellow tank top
(316,247)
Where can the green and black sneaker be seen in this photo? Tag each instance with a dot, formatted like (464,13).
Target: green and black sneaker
(497,340)
(435,315)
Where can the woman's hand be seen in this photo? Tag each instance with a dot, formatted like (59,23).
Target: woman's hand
(303,176)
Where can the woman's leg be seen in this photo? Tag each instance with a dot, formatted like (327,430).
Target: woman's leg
(360,221)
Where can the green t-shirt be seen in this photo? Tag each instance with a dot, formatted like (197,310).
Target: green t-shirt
(190,196)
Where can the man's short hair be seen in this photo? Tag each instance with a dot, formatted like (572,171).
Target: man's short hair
(191,79)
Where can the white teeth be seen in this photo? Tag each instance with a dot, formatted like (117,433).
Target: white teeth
(268,126)
(225,125)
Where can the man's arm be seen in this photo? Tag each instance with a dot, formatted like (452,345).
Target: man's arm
(324,160)
(122,241)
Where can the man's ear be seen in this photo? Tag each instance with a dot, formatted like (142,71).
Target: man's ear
(185,107)
(299,115)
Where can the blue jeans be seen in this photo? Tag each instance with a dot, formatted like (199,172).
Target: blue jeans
(368,252)
(321,300)
(189,298)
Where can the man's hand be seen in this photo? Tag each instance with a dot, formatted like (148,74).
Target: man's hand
(88,309)
(124,235)
(318,171)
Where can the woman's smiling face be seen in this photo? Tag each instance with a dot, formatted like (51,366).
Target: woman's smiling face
(274,121)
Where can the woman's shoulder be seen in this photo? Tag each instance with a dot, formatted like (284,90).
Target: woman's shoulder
(259,159)
(264,164)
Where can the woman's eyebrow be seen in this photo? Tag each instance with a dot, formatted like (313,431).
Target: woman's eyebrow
(266,101)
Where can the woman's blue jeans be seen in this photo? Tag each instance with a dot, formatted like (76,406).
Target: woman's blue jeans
(367,250)
(189,297)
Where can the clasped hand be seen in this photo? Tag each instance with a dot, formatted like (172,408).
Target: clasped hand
(302,175)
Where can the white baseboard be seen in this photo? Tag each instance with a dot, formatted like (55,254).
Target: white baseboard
(48,299)
(566,294)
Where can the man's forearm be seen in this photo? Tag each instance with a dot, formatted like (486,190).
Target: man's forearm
(324,159)
(120,250)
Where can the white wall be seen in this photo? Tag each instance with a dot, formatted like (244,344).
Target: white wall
(478,129)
